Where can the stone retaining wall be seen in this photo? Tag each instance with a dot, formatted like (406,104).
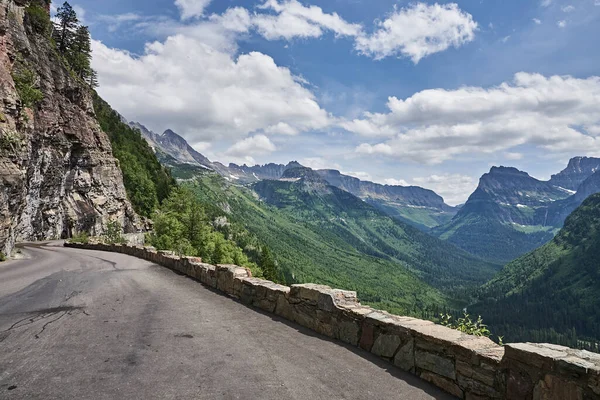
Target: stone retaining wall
(466,366)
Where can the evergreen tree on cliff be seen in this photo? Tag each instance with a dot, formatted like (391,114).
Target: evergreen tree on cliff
(80,53)
(64,30)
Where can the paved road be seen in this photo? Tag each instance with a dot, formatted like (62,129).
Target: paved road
(77,324)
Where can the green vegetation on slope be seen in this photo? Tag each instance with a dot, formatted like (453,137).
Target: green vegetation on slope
(553,293)
(492,240)
(146,181)
(372,232)
(330,251)
(188,227)
(423,218)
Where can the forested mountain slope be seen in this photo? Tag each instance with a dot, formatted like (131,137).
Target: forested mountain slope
(552,293)
(319,233)
(147,182)
(305,252)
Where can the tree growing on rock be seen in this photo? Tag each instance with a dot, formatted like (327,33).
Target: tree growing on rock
(64,29)
(74,43)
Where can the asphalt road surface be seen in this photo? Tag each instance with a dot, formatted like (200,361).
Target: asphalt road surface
(80,324)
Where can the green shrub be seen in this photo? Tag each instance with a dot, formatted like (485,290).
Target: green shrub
(82,237)
(38,19)
(113,233)
(2,257)
(466,325)
(25,85)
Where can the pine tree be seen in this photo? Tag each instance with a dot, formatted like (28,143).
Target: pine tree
(80,53)
(65,28)
(93,79)
(267,264)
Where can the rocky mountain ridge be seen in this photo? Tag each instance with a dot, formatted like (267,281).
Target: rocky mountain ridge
(57,172)
(511,213)
(417,206)
(577,171)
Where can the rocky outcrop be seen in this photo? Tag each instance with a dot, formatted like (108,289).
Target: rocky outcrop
(172,145)
(57,172)
(469,367)
(577,171)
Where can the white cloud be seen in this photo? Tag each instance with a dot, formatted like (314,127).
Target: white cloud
(593,130)
(537,21)
(191,8)
(363,176)
(236,19)
(253,146)
(545,3)
(281,128)
(396,182)
(418,31)
(319,163)
(568,8)
(436,125)
(505,39)
(204,92)
(562,24)
(454,188)
(513,156)
(296,20)
(201,146)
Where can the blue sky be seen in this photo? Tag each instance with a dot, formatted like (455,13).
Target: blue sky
(402,92)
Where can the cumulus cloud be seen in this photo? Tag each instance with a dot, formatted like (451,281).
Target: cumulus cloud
(204,92)
(436,125)
(319,163)
(545,3)
(253,146)
(418,31)
(292,19)
(537,21)
(191,8)
(568,8)
(513,156)
(454,188)
(236,19)
(396,182)
(562,24)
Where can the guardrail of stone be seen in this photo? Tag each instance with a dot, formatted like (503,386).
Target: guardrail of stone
(466,366)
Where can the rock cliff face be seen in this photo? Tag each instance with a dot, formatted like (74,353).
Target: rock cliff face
(57,172)
(578,170)
(407,195)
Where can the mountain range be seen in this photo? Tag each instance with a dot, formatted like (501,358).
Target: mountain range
(417,206)
(509,214)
